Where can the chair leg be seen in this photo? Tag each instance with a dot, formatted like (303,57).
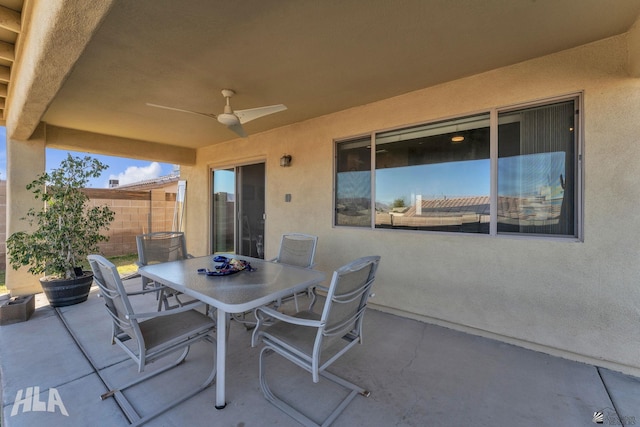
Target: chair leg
(295,301)
(130,412)
(113,333)
(148,376)
(295,413)
(242,318)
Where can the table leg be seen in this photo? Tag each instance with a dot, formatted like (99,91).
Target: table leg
(221,338)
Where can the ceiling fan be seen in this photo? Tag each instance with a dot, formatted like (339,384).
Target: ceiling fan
(232,119)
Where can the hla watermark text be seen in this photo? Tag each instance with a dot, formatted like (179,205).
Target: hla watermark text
(31,401)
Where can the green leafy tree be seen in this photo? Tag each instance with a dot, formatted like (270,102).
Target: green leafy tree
(399,203)
(65,230)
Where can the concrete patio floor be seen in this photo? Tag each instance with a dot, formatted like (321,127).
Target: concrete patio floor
(418,375)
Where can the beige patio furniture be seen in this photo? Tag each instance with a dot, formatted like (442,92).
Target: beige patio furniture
(300,250)
(161,246)
(147,337)
(296,249)
(315,341)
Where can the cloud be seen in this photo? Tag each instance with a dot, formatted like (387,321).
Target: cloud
(138,173)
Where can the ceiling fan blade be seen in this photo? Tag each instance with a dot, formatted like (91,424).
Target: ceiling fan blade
(237,128)
(255,113)
(212,116)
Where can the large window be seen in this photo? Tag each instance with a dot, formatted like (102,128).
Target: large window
(439,176)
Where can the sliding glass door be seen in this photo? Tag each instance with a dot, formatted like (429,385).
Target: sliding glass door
(238,210)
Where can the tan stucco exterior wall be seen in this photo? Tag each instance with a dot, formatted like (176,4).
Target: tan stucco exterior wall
(579,300)
(27,160)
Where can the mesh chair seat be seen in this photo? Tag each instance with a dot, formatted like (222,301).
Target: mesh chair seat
(299,340)
(162,332)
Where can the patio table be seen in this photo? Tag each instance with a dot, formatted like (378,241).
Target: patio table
(234,293)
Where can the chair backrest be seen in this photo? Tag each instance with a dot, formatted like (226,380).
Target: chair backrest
(162,246)
(105,275)
(297,249)
(347,298)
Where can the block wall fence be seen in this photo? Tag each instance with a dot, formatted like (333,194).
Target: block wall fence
(136,212)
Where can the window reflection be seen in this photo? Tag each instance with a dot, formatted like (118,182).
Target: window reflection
(435,177)
(353,183)
(536,170)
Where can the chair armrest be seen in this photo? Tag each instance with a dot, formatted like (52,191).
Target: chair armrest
(266,314)
(135,293)
(186,307)
(274,314)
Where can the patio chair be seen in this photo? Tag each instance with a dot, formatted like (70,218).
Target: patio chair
(158,247)
(146,337)
(314,341)
(295,249)
(300,250)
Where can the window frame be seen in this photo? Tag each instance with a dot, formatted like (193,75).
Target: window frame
(578,196)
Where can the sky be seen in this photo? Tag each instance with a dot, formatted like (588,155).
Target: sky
(437,180)
(518,176)
(125,170)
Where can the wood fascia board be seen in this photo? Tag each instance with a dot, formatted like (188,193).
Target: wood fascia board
(5,74)
(7,51)
(9,19)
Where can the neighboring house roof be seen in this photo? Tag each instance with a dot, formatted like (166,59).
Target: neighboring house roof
(522,208)
(475,204)
(148,184)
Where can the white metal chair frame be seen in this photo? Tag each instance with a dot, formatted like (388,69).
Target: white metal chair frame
(300,250)
(152,335)
(296,249)
(305,338)
(158,247)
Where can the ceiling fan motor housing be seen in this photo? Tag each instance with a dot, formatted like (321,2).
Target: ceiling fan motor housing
(228,119)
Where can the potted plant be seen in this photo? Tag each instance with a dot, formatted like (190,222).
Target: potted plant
(63,232)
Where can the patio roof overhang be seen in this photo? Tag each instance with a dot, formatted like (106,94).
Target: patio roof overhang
(90,67)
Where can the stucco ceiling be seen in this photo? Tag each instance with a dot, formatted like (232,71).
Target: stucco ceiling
(316,57)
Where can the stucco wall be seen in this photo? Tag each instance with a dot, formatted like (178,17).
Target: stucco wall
(576,299)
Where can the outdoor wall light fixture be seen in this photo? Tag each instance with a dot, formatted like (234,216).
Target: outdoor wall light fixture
(457,139)
(285,160)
